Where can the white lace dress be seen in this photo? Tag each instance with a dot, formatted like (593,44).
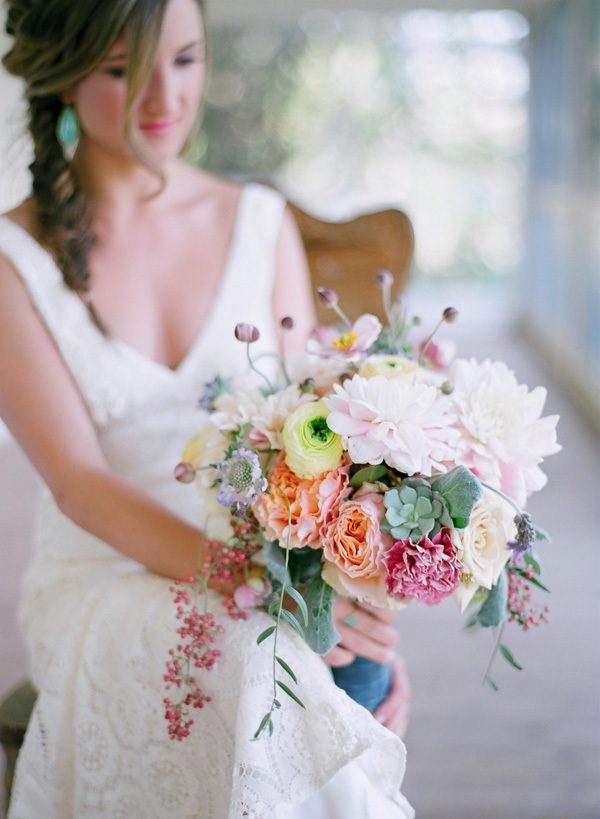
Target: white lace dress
(98,625)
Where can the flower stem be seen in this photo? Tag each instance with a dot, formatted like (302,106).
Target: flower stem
(494,653)
(256,370)
(342,316)
(506,497)
(429,340)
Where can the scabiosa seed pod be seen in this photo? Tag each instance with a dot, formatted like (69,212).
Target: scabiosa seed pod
(308,385)
(447,387)
(287,323)
(327,296)
(246,332)
(384,278)
(184,472)
(450,315)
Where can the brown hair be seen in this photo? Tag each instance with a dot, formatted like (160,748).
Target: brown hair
(56,43)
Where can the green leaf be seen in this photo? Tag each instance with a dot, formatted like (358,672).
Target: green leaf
(492,684)
(534,581)
(472,622)
(274,559)
(290,693)
(264,634)
(493,611)
(299,600)
(263,724)
(368,474)
(509,657)
(304,564)
(321,634)
(286,667)
(460,490)
(531,561)
(270,727)
(293,621)
(540,534)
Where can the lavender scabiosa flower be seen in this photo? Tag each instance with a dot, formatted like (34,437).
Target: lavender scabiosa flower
(212,390)
(241,479)
(525,535)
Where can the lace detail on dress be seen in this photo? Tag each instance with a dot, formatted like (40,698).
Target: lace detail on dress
(98,626)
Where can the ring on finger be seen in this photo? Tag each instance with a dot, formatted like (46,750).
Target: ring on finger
(351,620)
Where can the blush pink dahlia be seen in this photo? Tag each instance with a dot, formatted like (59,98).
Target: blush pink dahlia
(406,424)
(501,434)
(427,571)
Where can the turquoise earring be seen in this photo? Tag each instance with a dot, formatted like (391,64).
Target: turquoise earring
(67,127)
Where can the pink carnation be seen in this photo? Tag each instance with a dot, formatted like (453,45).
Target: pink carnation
(428,570)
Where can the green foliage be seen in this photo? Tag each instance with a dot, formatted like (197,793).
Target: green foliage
(509,657)
(493,612)
(461,490)
(321,634)
(368,474)
(414,509)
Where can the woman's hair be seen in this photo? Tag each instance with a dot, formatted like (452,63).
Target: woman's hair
(56,43)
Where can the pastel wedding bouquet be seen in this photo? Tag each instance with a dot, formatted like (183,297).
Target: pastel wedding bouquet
(373,467)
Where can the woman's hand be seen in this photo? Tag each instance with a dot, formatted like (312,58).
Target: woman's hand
(394,711)
(365,631)
(368,632)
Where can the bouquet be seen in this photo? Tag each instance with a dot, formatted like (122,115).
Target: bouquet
(373,467)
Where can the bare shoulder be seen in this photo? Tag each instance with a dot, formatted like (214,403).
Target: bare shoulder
(23,215)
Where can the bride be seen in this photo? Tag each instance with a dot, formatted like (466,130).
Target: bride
(121,279)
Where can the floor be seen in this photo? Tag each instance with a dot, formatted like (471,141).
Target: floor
(530,751)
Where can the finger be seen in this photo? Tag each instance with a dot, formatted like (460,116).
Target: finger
(399,695)
(364,624)
(339,656)
(385,615)
(399,723)
(364,646)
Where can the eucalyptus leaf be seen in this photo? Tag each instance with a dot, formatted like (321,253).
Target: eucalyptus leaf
(368,474)
(290,693)
(265,634)
(493,611)
(321,634)
(293,621)
(286,667)
(299,600)
(274,559)
(263,724)
(460,490)
(540,534)
(509,657)
(492,683)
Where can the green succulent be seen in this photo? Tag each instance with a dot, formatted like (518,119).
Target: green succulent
(414,509)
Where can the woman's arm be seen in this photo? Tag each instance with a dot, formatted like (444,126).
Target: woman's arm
(42,407)
(292,287)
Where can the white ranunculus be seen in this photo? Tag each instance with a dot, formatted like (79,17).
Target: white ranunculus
(481,547)
(502,435)
(406,424)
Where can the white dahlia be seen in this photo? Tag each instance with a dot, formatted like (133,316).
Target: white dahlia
(502,435)
(265,414)
(403,423)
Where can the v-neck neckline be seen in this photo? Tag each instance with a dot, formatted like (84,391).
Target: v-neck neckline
(125,346)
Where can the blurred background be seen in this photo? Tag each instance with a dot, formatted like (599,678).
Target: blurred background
(482,122)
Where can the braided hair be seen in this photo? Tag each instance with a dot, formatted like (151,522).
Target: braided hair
(56,43)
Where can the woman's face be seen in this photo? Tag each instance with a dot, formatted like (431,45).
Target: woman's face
(167,106)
